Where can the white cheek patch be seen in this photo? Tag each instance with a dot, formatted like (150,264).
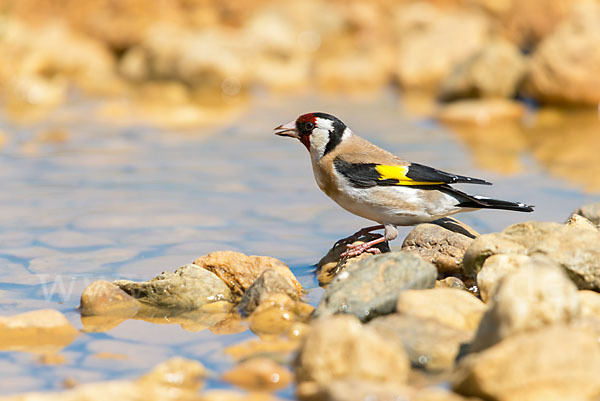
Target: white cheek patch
(318,142)
(324,124)
(347,134)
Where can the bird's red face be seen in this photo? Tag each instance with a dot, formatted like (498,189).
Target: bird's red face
(302,128)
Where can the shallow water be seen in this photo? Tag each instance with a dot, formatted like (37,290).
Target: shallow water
(86,199)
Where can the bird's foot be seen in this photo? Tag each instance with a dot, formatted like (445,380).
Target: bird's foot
(352,238)
(357,249)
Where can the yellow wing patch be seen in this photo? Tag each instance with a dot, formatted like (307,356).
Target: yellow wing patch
(399,173)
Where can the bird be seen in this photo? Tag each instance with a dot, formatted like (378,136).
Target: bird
(377,185)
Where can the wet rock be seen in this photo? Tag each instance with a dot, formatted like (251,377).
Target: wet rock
(578,221)
(591,212)
(442,247)
(494,71)
(481,111)
(494,268)
(331,264)
(432,41)
(268,283)
(429,344)
(451,282)
(590,303)
(342,348)
(44,330)
(189,287)
(534,296)
(576,250)
(259,374)
(555,363)
(370,287)
(277,313)
(564,66)
(239,271)
(454,308)
(105,298)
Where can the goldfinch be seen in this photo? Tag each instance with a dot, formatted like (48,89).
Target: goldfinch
(379,186)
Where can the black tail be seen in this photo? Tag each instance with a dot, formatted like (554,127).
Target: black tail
(481,202)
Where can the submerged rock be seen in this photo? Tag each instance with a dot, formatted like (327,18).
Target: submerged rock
(534,296)
(342,348)
(370,287)
(575,249)
(270,282)
(430,345)
(174,379)
(555,363)
(277,314)
(105,298)
(260,373)
(189,287)
(438,245)
(591,212)
(239,271)
(454,308)
(44,330)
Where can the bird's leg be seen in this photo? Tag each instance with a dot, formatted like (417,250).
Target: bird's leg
(358,234)
(391,233)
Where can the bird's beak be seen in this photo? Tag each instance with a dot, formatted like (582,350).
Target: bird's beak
(288,129)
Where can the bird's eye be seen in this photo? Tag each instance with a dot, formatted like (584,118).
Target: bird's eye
(309,126)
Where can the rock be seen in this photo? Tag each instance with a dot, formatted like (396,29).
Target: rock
(268,283)
(454,308)
(590,303)
(494,268)
(442,247)
(432,41)
(534,296)
(357,390)
(105,298)
(172,380)
(357,70)
(591,212)
(329,265)
(370,287)
(451,282)
(189,287)
(494,71)
(429,344)
(239,271)
(578,221)
(258,374)
(44,330)
(564,67)
(555,363)
(481,111)
(576,250)
(230,395)
(340,347)
(277,313)
(276,348)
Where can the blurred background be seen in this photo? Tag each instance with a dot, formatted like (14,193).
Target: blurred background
(136,135)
